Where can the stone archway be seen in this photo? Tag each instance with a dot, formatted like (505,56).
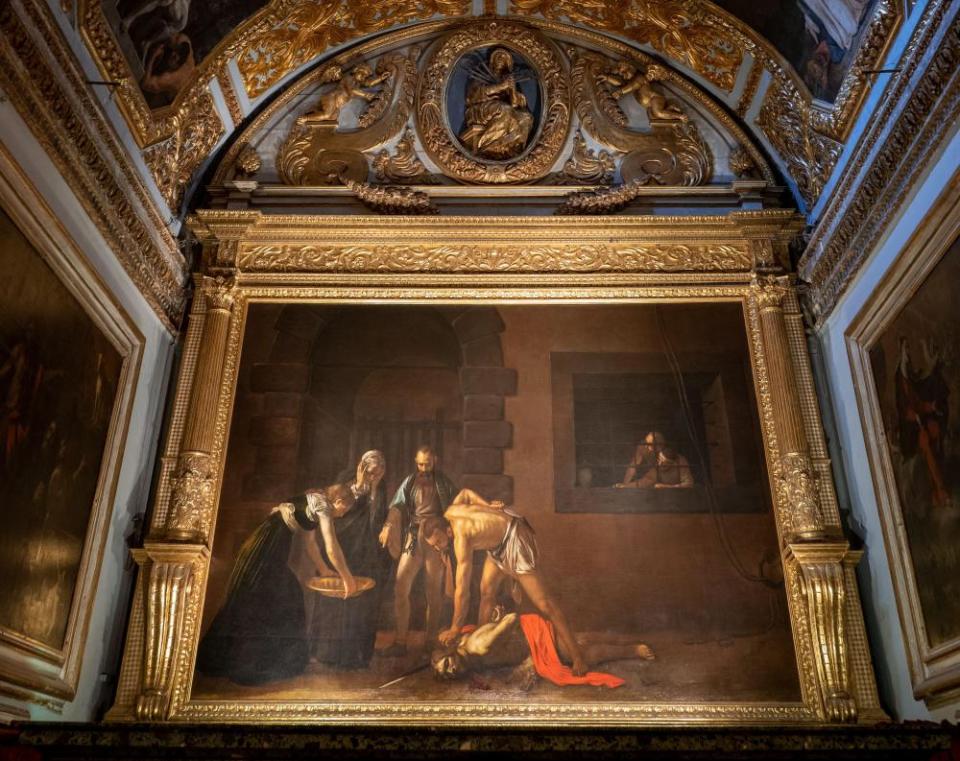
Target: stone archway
(280,389)
(485,383)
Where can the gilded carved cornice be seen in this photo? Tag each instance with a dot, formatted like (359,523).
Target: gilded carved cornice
(247,242)
(693,34)
(40,77)
(919,111)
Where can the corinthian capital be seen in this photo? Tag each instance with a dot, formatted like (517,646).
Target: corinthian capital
(770,290)
(219,292)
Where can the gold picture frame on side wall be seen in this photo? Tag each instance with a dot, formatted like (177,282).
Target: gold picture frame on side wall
(367,416)
(68,370)
(902,356)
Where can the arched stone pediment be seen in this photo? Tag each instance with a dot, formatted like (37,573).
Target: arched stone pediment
(723,54)
(492,104)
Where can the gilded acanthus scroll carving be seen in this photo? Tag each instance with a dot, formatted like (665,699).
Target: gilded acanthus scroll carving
(402,166)
(799,487)
(671,152)
(172,160)
(684,31)
(499,258)
(586,165)
(191,495)
(318,152)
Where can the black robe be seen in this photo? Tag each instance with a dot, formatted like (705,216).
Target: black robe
(259,635)
(344,631)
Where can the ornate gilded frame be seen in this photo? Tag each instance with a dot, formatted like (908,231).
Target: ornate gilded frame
(251,257)
(935,671)
(32,672)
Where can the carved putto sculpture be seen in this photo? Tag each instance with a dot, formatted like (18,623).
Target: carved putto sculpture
(353,84)
(628,79)
(498,120)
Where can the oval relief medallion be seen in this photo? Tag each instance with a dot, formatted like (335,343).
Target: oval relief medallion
(494,104)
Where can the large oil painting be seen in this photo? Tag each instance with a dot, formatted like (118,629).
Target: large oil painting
(916,371)
(514,504)
(59,377)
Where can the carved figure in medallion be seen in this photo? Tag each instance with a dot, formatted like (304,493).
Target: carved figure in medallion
(498,120)
(353,84)
(627,80)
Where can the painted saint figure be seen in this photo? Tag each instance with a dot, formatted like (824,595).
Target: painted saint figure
(924,412)
(260,633)
(498,120)
(21,376)
(528,644)
(656,466)
(422,495)
(474,524)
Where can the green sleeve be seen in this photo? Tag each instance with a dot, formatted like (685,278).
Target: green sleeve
(400,498)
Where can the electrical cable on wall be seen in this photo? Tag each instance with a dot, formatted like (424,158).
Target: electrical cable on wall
(712,502)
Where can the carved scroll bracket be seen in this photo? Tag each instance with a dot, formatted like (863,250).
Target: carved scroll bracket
(672,152)
(194,480)
(167,572)
(821,573)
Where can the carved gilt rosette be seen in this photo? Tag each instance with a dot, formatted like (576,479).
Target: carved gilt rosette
(489,55)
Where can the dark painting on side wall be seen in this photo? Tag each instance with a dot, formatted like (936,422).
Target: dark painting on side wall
(819,38)
(916,367)
(164,41)
(59,376)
